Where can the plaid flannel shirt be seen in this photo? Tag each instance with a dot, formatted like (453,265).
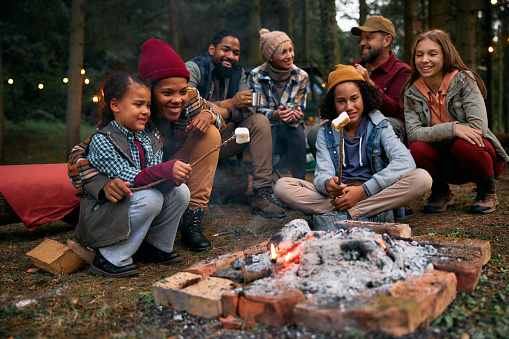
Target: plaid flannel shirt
(105,157)
(295,91)
(81,171)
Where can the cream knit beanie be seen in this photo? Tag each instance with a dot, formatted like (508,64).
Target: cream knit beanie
(269,41)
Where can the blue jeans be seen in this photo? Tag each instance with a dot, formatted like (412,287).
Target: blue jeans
(290,140)
(153,217)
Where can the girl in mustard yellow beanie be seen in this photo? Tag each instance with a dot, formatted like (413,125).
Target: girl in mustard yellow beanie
(283,88)
(378,173)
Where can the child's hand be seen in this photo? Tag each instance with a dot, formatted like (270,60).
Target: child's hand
(335,188)
(181,172)
(116,190)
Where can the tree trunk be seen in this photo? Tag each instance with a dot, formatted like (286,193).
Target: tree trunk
(305,31)
(287,18)
(174,26)
(255,23)
(486,29)
(465,32)
(433,14)
(363,12)
(409,29)
(75,85)
(330,41)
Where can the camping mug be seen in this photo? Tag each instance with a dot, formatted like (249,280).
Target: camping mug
(291,105)
(255,97)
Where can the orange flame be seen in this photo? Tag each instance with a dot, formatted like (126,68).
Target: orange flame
(273,254)
(382,243)
(287,257)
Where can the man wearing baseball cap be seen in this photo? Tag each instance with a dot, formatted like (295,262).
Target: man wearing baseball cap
(379,66)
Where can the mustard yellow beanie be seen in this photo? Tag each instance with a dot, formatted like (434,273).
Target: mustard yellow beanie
(341,74)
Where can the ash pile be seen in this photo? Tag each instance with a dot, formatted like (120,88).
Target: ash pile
(343,263)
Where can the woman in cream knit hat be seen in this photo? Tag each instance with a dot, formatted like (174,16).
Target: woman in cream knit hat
(283,88)
(378,172)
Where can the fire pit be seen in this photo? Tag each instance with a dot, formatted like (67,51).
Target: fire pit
(330,281)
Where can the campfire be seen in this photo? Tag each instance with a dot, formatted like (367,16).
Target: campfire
(329,281)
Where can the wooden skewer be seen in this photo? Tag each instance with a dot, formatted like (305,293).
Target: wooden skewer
(134,189)
(340,165)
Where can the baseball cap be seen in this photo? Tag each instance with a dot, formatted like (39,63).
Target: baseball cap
(375,23)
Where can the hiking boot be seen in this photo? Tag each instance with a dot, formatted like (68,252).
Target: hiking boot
(485,202)
(438,202)
(101,266)
(263,204)
(192,231)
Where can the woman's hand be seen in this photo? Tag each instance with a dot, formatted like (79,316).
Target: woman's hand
(200,122)
(348,200)
(181,172)
(473,136)
(334,188)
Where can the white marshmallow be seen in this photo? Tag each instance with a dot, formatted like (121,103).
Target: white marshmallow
(341,121)
(241,135)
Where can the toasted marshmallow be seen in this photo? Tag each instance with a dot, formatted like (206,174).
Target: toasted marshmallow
(241,135)
(341,121)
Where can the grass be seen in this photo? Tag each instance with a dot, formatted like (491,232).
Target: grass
(37,142)
(93,307)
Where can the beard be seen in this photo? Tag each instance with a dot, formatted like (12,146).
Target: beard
(371,55)
(224,72)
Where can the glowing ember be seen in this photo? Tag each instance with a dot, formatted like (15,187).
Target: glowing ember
(273,254)
(287,257)
(382,243)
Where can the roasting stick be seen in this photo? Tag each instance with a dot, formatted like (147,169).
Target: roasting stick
(341,121)
(241,135)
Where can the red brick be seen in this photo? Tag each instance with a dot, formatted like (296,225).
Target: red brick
(483,245)
(434,291)
(275,309)
(411,303)
(465,262)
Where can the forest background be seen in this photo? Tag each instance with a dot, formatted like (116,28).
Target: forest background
(47,45)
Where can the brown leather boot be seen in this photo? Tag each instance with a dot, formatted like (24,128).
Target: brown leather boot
(486,200)
(263,205)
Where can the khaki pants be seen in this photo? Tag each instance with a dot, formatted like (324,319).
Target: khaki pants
(201,180)
(260,147)
(303,196)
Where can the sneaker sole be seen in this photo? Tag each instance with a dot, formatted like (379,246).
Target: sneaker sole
(266,215)
(96,271)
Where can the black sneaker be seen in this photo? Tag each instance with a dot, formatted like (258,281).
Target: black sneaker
(150,253)
(101,266)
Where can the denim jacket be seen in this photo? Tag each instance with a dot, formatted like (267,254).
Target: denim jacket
(387,156)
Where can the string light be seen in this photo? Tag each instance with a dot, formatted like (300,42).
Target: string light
(82,71)
(95,99)
(65,80)
(490,49)
(493,2)
(41,86)
(87,81)
(10,81)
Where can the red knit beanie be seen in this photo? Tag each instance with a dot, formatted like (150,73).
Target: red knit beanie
(159,60)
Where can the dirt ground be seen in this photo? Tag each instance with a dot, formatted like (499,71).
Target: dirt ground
(34,303)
